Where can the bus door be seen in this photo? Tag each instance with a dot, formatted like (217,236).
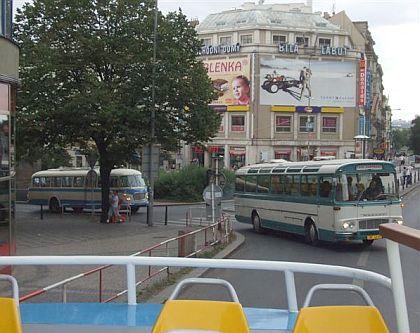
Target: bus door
(325,202)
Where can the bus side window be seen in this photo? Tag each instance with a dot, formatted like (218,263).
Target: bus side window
(325,187)
(78,181)
(113,182)
(294,189)
(43,182)
(67,181)
(276,184)
(36,182)
(250,183)
(313,185)
(240,183)
(288,184)
(304,186)
(263,183)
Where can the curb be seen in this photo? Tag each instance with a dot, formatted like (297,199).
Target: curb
(162,296)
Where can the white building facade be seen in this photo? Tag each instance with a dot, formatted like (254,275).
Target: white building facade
(290,84)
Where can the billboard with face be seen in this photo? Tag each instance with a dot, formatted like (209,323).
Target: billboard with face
(302,82)
(230,79)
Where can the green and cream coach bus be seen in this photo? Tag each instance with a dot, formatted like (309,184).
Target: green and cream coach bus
(329,200)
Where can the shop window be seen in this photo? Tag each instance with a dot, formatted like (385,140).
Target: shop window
(329,124)
(238,124)
(306,124)
(283,123)
(279,39)
(246,39)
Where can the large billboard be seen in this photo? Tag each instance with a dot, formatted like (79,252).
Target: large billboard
(231,80)
(303,82)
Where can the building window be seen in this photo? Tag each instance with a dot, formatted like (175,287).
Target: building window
(227,40)
(306,124)
(238,124)
(246,39)
(6,18)
(302,41)
(206,42)
(222,124)
(283,123)
(278,39)
(79,161)
(324,42)
(329,124)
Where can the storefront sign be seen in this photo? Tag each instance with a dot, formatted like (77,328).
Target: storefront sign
(288,48)
(362,82)
(333,51)
(368,89)
(219,49)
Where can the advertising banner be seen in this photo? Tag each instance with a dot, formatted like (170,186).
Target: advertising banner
(231,80)
(362,82)
(302,82)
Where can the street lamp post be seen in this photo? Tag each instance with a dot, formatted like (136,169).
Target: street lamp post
(152,121)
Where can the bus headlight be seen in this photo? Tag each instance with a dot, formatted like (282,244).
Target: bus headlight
(348,225)
(397,221)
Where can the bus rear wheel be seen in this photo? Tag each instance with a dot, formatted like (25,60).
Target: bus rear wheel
(311,234)
(256,223)
(54,206)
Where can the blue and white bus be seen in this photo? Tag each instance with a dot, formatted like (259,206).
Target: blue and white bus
(329,200)
(72,187)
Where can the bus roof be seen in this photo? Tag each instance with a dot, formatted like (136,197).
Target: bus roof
(323,166)
(82,172)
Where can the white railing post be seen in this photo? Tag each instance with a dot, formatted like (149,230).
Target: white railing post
(397,281)
(131,284)
(291,291)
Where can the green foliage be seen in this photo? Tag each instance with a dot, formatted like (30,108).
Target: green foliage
(87,74)
(186,184)
(400,138)
(415,135)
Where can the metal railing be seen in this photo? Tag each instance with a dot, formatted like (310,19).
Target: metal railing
(202,239)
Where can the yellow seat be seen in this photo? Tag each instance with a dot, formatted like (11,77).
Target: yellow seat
(340,319)
(9,316)
(218,316)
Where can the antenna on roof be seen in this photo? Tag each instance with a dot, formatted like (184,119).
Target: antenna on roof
(333,9)
(261,2)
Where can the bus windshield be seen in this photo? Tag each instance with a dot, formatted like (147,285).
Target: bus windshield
(366,187)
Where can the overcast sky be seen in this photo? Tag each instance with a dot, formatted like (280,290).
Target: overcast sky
(395,28)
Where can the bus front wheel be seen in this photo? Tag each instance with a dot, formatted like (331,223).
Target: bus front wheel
(367,242)
(311,234)
(54,206)
(256,223)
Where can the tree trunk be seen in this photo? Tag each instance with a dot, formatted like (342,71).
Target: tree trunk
(106,166)
(105,171)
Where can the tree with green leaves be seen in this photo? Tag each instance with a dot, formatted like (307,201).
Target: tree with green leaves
(400,138)
(415,135)
(86,73)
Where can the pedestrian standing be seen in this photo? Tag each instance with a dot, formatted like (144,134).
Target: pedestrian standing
(113,212)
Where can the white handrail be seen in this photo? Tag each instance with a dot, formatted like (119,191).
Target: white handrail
(129,262)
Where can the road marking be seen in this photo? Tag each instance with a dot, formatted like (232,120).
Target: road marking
(362,263)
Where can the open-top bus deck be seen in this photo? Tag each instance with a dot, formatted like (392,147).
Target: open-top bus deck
(178,315)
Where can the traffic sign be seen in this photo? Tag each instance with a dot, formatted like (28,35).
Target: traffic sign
(217,194)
